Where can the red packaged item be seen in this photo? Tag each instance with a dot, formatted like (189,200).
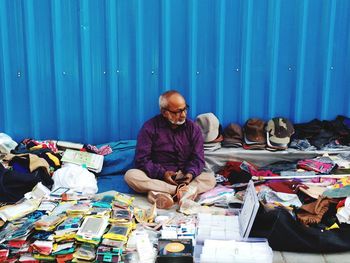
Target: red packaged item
(315,165)
(4,253)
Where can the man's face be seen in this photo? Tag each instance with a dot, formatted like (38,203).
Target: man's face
(176,111)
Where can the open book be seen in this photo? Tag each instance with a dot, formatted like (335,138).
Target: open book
(93,162)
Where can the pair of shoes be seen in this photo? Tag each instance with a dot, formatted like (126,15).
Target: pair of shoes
(162,200)
(186,192)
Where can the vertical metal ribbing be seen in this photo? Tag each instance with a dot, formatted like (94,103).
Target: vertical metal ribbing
(6,66)
(193,55)
(56,13)
(113,66)
(221,60)
(139,65)
(328,68)
(301,64)
(31,64)
(130,41)
(166,45)
(86,72)
(347,83)
(275,37)
(246,59)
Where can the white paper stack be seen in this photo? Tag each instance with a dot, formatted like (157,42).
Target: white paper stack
(222,238)
(221,251)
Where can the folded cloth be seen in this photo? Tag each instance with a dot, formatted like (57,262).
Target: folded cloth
(103,150)
(216,194)
(14,184)
(338,192)
(6,143)
(313,191)
(280,166)
(343,211)
(242,172)
(285,186)
(323,165)
(29,161)
(282,198)
(312,213)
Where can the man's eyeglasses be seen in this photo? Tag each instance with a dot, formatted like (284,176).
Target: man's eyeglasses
(179,112)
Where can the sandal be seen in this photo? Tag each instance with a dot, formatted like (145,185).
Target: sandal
(177,191)
(186,192)
(162,200)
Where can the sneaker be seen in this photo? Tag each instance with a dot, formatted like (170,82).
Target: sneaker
(162,200)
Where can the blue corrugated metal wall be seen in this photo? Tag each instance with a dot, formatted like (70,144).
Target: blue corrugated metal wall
(92,71)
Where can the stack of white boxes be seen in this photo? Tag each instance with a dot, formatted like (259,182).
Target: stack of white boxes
(223,238)
(227,251)
(218,227)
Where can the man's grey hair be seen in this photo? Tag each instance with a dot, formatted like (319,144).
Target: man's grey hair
(163,98)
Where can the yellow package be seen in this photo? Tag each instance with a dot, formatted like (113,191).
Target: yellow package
(119,232)
(123,200)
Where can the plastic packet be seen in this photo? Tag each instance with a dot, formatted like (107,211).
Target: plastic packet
(85,252)
(105,202)
(22,231)
(145,215)
(70,223)
(92,229)
(118,232)
(13,212)
(101,211)
(108,254)
(122,214)
(123,200)
(49,222)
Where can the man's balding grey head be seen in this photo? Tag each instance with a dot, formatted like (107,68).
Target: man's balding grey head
(163,98)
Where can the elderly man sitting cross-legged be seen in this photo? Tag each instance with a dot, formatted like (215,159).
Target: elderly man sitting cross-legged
(169,156)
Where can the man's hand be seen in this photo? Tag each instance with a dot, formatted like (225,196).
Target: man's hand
(187,178)
(169,177)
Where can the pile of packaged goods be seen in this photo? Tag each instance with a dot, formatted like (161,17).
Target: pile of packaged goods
(66,228)
(71,227)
